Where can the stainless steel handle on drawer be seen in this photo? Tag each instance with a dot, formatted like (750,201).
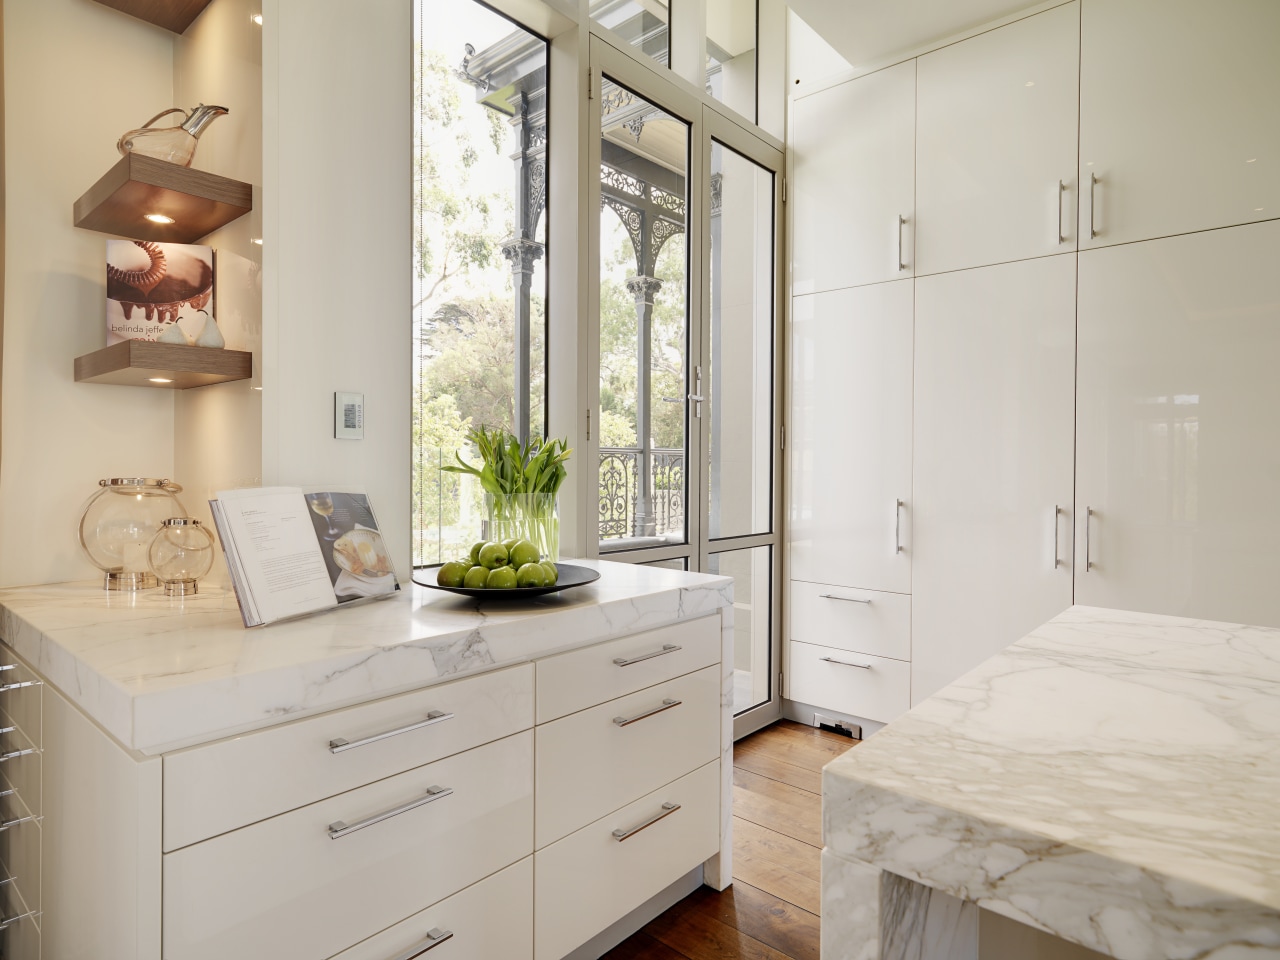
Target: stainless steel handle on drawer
(667,704)
(6,824)
(435,937)
(435,716)
(666,811)
(7,922)
(1093,182)
(846,663)
(628,661)
(832,596)
(6,687)
(1062,188)
(14,754)
(902,265)
(340,828)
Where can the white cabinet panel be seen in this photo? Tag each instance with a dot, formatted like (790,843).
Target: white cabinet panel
(850,437)
(1179,454)
(997,123)
(1178,116)
(864,621)
(853,178)
(994,431)
(875,688)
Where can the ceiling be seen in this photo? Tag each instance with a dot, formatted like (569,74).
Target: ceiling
(867,31)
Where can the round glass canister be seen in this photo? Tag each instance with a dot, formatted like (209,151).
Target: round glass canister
(118,523)
(180,554)
(525,516)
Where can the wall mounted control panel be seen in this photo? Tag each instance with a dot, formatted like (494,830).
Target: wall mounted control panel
(348,416)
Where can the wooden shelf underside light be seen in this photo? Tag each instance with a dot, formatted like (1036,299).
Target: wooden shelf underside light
(140,363)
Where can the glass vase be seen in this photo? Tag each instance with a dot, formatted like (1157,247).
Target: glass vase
(525,516)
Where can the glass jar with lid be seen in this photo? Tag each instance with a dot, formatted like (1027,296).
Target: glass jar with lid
(118,524)
(180,554)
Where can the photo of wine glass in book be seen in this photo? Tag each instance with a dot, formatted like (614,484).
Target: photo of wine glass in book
(354,553)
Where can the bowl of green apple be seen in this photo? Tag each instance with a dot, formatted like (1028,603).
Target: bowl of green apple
(497,569)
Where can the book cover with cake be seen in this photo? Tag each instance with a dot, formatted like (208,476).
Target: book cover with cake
(154,287)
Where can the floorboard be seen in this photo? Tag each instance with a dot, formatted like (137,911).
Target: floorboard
(771,911)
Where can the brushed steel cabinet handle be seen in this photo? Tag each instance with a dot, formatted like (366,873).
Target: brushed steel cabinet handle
(897,526)
(435,937)
(340,828)
(1062,188)
(1088,555)
(1093,182)
(832,596)
(846,663)
(6,824)
(666,811)
(1057,515)
(628,661)
(667,704)
(5,688)
(902,265)
(7,922)
(14,754)
(435,716)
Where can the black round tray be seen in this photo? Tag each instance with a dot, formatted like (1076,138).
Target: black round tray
(570,576)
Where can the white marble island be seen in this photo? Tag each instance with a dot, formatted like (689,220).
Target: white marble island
(368,782)
(1112,779)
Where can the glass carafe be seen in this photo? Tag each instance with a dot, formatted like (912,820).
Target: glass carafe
(171,144)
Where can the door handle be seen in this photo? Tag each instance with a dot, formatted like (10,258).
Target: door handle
(1062,188)
(902,265)
(696,396)
(1088,519)
(1057,515)
(897,526)
(1093,182)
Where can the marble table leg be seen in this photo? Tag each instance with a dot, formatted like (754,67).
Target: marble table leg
(870,914)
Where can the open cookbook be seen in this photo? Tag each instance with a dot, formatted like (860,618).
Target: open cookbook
(292,553)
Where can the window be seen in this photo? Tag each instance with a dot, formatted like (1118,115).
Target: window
(480,254)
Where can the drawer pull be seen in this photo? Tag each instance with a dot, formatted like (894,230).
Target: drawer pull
(846,663)
(435,716)
(667,704)
(666,811)
(7,922)
(14,754)
(6,824)
(435,937)
(6,687)
(832,596)
(628,661)
(340,828)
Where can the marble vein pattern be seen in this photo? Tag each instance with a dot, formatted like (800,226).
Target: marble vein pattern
(159,674)
(1113,779)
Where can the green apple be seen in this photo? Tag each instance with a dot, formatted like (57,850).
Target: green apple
(522,552)
(531,575)
(511,542)
(475,551)
(553,575)
(476,578)
(493,555)
(503,578)
(453,574)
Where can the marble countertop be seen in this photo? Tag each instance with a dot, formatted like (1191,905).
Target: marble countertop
(1113,778)
(158,673)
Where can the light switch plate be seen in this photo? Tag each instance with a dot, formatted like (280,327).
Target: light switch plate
(348,416)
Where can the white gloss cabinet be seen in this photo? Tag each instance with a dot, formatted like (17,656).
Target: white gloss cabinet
(1177,116)
(994,436)
(996,132)
(850,437)
(1179,454)
(853,201)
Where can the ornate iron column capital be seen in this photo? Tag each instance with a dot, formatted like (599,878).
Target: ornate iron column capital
(644,289)
(522,254)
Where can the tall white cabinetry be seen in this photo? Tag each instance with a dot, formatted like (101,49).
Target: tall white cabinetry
(1095,317)
(1177,116)
(996,156)
(1179,453)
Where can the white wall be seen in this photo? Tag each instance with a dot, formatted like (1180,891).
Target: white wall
(77,75)
(336,222)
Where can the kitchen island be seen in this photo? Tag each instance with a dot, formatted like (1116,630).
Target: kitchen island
(370,781)
(1113,779)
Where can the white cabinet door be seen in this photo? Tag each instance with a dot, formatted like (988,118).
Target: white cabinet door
(1179,452)
(850,437)
(1178,116)
(997,119)
(853,182)
(995,367)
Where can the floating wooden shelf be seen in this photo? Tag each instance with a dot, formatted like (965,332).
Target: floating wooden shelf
(175,15)
(198,202)
(139,363)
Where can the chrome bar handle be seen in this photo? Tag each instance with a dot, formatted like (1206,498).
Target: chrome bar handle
(628,661)
(5,688)
(8,666)
(7,922)
(435,937)
(339,828)
(666,811)
(901,223)
(435,716)
(846,663)
(1062,188)
(14,754)
(6,824)
(1093,182)
(897,526)
(832,596)
(1088,517)
(667,704)
(1057,514)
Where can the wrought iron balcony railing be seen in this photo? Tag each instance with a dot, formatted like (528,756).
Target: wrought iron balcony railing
(623,514)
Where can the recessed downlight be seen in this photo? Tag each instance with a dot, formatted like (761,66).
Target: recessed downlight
(158,218)
(257,240)
(257,18)
(159,380)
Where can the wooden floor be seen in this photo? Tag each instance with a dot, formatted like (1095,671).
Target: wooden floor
(771,911)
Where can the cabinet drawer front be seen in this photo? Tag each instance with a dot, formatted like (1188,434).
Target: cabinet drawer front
(590,763)
(20,692)
(864,621)
(582,678)
(286,887)
(876,688)
(214,788)
(20,854)
(490,920)
(592,879)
